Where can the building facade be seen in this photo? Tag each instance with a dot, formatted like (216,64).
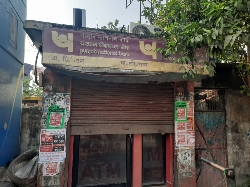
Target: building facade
(117,113)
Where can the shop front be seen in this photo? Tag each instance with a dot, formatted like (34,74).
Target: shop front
(117,99)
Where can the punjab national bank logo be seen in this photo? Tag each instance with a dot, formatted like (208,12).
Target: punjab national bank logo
(149,50)
(63,41)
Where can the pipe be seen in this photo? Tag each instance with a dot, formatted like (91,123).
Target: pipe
(213,164)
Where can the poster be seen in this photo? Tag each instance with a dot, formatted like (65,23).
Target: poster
(190,109)
(50,168)
(180,111)
(184,124)
(52,145)
(190,123)
(56,110)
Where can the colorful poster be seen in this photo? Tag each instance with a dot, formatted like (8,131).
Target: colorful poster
(190,123)
(190,138)
(184,124)
(180,111)
(52,145)
(181,139)
(56,110)
(180,126)
(50,168)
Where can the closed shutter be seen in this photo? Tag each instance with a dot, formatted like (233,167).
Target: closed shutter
(112,108)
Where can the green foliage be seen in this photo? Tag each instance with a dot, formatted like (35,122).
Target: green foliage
(31,89)
(113,26)
(220,27)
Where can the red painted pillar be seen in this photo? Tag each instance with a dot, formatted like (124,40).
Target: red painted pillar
(169,160)
(137,161)
(71,144)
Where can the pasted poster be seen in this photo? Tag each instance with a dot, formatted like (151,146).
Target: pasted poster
(180,111)
(190,109)
(184,129)
(52,145)
(56,110)
(50,168)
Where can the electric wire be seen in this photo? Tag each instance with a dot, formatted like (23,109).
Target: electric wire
(24,3)
(16,11)
(9,12)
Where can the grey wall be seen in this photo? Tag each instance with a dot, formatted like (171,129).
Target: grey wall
(30,127)
(238,144)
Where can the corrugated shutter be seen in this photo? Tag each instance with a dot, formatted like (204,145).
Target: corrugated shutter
(112,108)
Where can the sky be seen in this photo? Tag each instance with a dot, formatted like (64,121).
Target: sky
(61,11)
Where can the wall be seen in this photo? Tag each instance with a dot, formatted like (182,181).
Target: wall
(52,168)
(11,72)
(30,127)
(238,124)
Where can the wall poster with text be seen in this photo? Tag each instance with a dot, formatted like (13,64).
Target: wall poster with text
(184,129)
(52,145)
(181,111)
(56,110)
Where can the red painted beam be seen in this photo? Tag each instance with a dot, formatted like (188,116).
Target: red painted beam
(169,160)
(71,144)
(137,161)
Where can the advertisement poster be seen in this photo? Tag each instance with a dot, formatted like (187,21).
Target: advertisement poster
(190,123)
(50,168)
(181,111)
(56,110)
(184,129)
(52,145)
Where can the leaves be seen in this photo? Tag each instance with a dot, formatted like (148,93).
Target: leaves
(31,89)
(222,27)
(227,40)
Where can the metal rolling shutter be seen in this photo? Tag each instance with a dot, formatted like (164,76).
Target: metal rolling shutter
(111,108)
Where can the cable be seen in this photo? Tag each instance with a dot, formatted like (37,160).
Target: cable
(31,41)
(24,4)
(36,68)
(16,11)
(10,13)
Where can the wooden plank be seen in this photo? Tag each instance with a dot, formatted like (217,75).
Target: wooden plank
(121,129)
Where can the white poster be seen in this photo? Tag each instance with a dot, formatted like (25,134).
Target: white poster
(50,168)
(52,145)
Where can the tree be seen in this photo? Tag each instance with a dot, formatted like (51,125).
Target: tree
(113,26)
(31,89)
(220,27)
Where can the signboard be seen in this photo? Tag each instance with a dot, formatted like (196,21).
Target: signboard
(102,160)
(98,49)
(52,145)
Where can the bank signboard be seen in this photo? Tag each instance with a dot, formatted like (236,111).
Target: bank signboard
(90,49)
